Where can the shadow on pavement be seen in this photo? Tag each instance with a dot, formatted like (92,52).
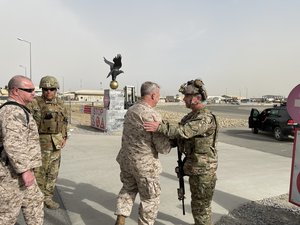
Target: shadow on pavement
(83,196)
(221,198)
(52,217)
(226,200)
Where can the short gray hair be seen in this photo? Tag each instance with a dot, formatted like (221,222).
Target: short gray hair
(15,82)
(148,87)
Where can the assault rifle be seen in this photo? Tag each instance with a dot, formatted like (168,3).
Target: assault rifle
(180,174)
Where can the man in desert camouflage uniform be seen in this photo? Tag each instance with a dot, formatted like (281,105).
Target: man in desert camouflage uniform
(20,154)
(196,137)
(138,159)
(51,117)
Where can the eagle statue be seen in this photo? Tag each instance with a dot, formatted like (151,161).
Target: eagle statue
(114,67)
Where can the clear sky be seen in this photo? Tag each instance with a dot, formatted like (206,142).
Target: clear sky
(238,47)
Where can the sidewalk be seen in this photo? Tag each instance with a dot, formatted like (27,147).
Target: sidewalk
(89,182)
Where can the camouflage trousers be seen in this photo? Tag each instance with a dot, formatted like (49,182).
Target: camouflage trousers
(15,196)
(202,189)
(149,191)
(47,174)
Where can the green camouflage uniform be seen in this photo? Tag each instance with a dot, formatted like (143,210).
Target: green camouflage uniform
(139,163)
(51,118)
(196,138)
(19,141)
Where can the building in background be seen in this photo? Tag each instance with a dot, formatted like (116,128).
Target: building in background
(273,98)
(89,95)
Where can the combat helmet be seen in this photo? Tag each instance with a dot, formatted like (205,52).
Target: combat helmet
(194,87)
(49,82)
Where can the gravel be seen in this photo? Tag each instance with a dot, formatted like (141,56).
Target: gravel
(271,211)
(175,117)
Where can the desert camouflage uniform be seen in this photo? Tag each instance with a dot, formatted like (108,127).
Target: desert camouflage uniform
(50,140)
(139,163)
(196,137)
(21,152)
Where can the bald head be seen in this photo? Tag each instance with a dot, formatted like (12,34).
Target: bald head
(21,89)
(18,81)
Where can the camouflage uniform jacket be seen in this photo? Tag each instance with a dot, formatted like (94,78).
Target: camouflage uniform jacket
(42,108)
(196,136)
(20,140)
(140,148)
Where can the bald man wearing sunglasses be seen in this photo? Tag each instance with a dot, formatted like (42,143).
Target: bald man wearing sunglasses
(20,155)
(51,117)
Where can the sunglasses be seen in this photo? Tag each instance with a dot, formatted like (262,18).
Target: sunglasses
(29,90)
(49,89)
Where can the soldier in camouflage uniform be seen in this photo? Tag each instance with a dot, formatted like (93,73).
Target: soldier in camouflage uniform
(20,154)
(51,117)
(196,137)
(138,159)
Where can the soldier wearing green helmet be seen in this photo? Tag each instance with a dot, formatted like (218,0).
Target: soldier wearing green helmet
(196,137)
(50,115)
(49,82)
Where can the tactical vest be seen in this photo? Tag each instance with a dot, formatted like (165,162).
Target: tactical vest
(200,151)
(51,119)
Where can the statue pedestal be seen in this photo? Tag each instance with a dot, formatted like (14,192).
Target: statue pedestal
(111,117)
(113,99)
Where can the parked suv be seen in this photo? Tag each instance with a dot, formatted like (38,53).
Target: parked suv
(276,120)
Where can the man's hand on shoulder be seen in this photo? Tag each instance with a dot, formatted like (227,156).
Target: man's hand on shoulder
(151,126)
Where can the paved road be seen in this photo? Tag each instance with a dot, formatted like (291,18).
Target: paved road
(263,142)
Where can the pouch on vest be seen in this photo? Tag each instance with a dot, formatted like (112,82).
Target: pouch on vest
(51,123)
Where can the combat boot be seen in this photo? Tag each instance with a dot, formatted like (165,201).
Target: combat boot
(50,204)
(120,220)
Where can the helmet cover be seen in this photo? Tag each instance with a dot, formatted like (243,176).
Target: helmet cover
(194,87)
(49,82)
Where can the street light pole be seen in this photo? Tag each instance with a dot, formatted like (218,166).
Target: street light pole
(28,42)
(24,67)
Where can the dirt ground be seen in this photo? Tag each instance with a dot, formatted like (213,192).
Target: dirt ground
(77,116)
